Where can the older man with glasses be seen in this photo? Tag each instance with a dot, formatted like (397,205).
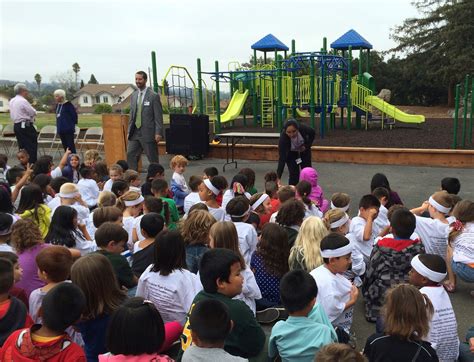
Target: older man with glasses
(23,115)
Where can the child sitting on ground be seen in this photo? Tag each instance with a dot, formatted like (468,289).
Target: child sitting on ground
(237,187)
(219,272)
(6,223)
(15,291)
(72,170)
(115,173)
(13,313)
(311,175)
(361,228)
(291,216)
(159,188)
(179,188)
(239,208)
(208,192)
(136,332)
(451,185)
(271,189)
(210,172)
(23,157)
(154,171)
(210,325)
(88,187)
(307,328)
(131,204)
(434,230)
(340,200)
(166,282)
(61,307)
(303,189)
(381,222)
(390,261)
(427,273)
(151,204)
(285,193)
(260,204)
(250,174)
(336,294)
(193,197)
(339,352)
(132,178)
(120,187)
(111,240)
(32,207)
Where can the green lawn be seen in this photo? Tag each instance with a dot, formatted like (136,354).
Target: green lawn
(85,120)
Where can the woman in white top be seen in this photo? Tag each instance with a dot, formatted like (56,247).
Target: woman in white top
(131,204)
(208,192)
(460,253)
(224,235)
(167,283)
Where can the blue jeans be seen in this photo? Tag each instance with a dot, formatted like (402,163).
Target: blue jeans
(463,271)
(193,256)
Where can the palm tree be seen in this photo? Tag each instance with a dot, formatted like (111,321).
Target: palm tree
(38,81)
(76,69)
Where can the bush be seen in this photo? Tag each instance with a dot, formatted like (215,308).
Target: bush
(102,108)
(126,110)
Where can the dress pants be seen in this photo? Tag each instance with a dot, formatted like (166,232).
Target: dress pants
(27,139)
(136,145)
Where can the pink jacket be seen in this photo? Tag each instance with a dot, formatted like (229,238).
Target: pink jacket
(142,358)
(311,175)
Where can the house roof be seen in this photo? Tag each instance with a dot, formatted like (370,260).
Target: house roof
(351,38)
(113,89)
(269,43)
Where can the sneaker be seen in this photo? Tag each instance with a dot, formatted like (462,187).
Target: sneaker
(267,316)
(283,314)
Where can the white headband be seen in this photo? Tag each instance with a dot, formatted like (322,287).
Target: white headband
(134,202)
(334,253)
(245,213)
(345,208)
(259,201)
(438,206)
(342,221)
(423,270)
(68,196)
(211,187)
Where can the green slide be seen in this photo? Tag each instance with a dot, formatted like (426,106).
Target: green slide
(393,111)
(235,106)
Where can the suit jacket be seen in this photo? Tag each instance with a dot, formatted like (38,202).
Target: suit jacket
(152,115)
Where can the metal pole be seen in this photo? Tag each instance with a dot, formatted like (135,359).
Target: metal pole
(279,95)
(218,101)
(456,114)
(293,77)
(254,80)
(349,90)
(472,110)
(311,92)
(155,77)
(367,63)
(464,119)
(201,103)
(323,97)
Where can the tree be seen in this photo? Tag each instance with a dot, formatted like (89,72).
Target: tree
(438,44)
(65,81)
(82,83)
(38,81)
(92,80)
(76,69)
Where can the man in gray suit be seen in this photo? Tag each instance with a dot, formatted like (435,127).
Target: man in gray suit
(145,126)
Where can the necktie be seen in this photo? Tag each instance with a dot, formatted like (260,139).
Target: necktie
(138,119)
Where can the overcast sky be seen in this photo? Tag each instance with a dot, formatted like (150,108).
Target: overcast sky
(114,38)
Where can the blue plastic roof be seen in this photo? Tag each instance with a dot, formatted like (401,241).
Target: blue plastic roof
(352,38)
(268,43)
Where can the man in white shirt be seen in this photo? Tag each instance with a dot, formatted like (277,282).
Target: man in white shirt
(23,116)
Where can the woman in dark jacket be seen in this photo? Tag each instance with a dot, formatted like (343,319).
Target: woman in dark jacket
(294,149)
(66,120)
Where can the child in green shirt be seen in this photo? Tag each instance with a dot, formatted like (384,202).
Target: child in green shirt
(159,188)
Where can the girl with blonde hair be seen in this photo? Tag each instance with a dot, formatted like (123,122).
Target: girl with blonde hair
(306,253)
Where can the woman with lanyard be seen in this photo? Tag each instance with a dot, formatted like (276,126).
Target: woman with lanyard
(66,120)
(294,149)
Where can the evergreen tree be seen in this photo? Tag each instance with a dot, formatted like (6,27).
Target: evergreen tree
(38,81)
(76,69)
(438,44)
(82,83)
(92,80)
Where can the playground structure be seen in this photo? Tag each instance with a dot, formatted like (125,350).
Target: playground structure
(465,99)
(299,84)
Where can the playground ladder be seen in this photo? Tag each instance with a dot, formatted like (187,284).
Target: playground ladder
(267,112)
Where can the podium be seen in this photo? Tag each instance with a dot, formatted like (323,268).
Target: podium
(115,137)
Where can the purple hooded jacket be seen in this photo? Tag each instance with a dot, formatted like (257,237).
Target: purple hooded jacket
(311,175)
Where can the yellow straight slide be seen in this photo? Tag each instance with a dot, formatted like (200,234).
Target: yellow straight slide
(235,106)
(393,111)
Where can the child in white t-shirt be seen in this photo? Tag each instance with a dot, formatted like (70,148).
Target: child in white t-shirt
(237,188)
(193,197)
(434,230)
(208,192)
(361,228)
(115,173)
(131,204)
(167,283)
(428,271)
(381,222)
(132,178)
(179,188)
(336,294)
(88,187)
(239,209)
(303,189)
(285,193)
(460,253)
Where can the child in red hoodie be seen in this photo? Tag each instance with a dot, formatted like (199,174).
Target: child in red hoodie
(62,306)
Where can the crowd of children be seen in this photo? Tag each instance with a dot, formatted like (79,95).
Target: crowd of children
(97,266)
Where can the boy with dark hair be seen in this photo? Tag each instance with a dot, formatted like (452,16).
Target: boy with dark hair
(159,188)
(220,276)
(210,172)
(427,273)
(111,239)
(16,292)
(337,294)
(88,186)
(381,221)
(451,185)
(13,313)
(154,171)
(361,231)
(62,306)
(193,197)
(307,328)
(291,216)
(210,325)
(390,261)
